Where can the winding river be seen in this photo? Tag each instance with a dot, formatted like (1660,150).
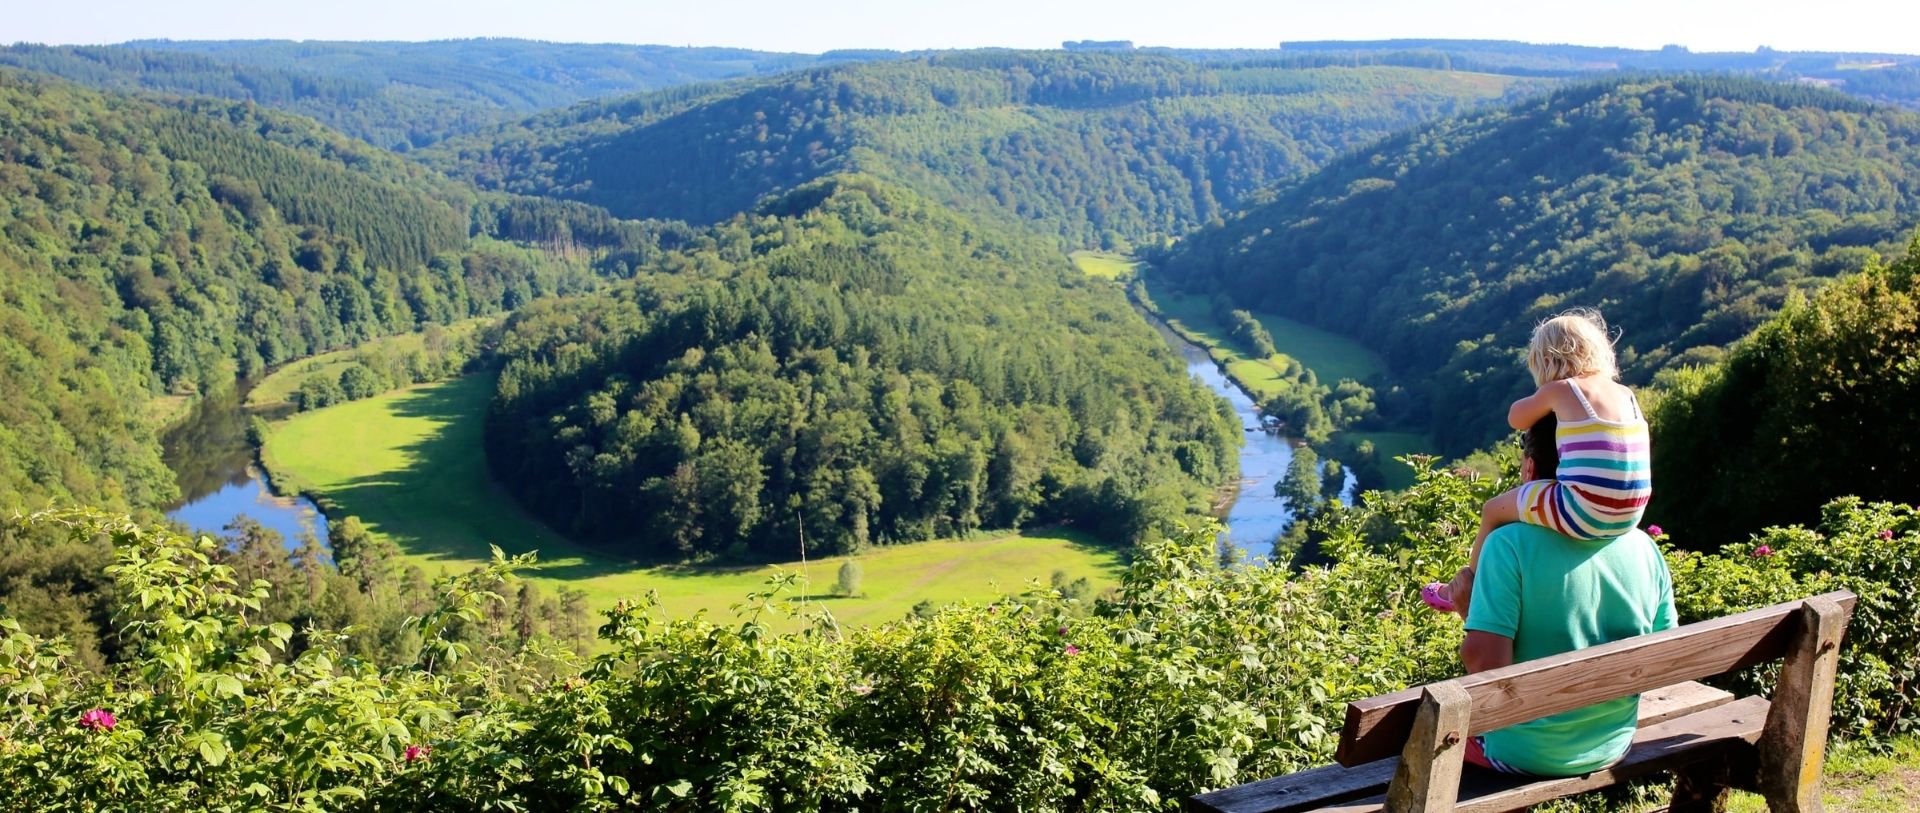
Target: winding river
(215,464)
(1254,517)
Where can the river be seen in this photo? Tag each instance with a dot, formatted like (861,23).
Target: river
(1255,517)
(215,464)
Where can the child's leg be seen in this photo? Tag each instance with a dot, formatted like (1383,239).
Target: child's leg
(1501,510)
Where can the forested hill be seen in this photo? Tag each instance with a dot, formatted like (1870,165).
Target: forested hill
(1101,149)
(1889,78)
(856,364)
(154,249)
(401,95)
(1687,209)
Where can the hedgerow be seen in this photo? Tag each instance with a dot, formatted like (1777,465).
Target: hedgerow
(1188,676)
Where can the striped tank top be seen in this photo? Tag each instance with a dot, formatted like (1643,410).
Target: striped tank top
(1604,480)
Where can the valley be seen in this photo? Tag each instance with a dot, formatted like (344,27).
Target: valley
(689,428)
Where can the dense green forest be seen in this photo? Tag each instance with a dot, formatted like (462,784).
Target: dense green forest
(400,95)
(1100,149)
(1687,209)
(1889,78)
(1817,402)
(156,249)
(854,363)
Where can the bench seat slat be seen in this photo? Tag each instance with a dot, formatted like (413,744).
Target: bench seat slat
(1663,747)
(1376,727)
(1333,783)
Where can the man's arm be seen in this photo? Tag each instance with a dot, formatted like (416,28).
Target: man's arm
(1485,650)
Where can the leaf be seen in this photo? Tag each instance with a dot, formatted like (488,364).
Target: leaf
(213,748)
(680,789)
(228,685)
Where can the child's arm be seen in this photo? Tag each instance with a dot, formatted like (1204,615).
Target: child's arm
(1529,410)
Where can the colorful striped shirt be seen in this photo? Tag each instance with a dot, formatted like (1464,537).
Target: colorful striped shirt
(1604,480)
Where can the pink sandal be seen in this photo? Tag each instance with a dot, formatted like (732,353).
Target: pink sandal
(1431,595)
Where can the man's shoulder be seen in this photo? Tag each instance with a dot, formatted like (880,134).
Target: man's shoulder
(1522,534)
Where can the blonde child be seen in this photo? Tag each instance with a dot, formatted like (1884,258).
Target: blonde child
(1601,486)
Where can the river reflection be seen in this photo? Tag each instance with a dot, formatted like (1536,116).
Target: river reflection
(1256,517)
(212,459)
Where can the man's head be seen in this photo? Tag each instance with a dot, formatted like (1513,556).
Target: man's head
(1539,452)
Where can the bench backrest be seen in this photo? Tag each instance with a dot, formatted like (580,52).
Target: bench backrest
(1377,727)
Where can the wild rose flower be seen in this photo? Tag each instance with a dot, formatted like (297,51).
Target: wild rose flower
(98,720)
(1072,650)
(862,689)
(1763,550)
(415,753)
(1654,530)
(1886,534)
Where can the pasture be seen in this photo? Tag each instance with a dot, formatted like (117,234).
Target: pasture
(411,465)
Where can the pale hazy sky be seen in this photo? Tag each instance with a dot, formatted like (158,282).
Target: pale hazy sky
(817,25)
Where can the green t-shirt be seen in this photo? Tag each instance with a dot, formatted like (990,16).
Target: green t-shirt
(1552,594)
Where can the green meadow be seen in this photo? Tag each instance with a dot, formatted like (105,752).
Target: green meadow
(411,465)
(1105,265)
(278,387)
(1329,355)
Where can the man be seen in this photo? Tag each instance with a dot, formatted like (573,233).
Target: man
(1537,594)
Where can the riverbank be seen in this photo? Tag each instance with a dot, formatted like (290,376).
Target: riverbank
(411,465)
(1329,356)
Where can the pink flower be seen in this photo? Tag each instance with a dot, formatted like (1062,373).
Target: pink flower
(1763,550)
(1072,650)
(415,753)
(1654,530)
(98,720)
(1887,534)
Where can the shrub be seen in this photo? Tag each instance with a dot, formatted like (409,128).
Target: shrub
(1189,676)
(848,582)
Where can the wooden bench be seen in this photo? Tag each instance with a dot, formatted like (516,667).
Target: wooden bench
(1403,752)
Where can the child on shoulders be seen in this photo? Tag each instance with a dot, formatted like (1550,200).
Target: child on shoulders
(1603,481)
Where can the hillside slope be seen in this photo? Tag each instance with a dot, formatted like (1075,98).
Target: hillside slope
(1688,210)
(171,248)
(856,365)
(1099,149)
(400,95)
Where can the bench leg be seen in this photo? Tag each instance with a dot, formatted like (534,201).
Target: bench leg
(1428,779)
(1793,747)
(1701,788)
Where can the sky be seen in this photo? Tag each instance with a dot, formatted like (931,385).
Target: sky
(812,26)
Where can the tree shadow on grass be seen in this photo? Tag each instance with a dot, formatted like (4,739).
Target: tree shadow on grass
(442,502)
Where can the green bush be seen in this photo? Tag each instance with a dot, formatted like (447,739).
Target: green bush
(1189,676)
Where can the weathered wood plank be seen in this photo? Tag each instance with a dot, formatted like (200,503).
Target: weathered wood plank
(1335,783)
(1428,779)
(1679,700)
(1376,727)
(1794,748)
(1681,741)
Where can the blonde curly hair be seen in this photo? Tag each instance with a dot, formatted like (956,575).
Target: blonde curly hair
(1572,344)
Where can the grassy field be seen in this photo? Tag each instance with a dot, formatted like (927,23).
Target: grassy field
(278,387)
(1104,265)
(1330,356)
(410,464)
